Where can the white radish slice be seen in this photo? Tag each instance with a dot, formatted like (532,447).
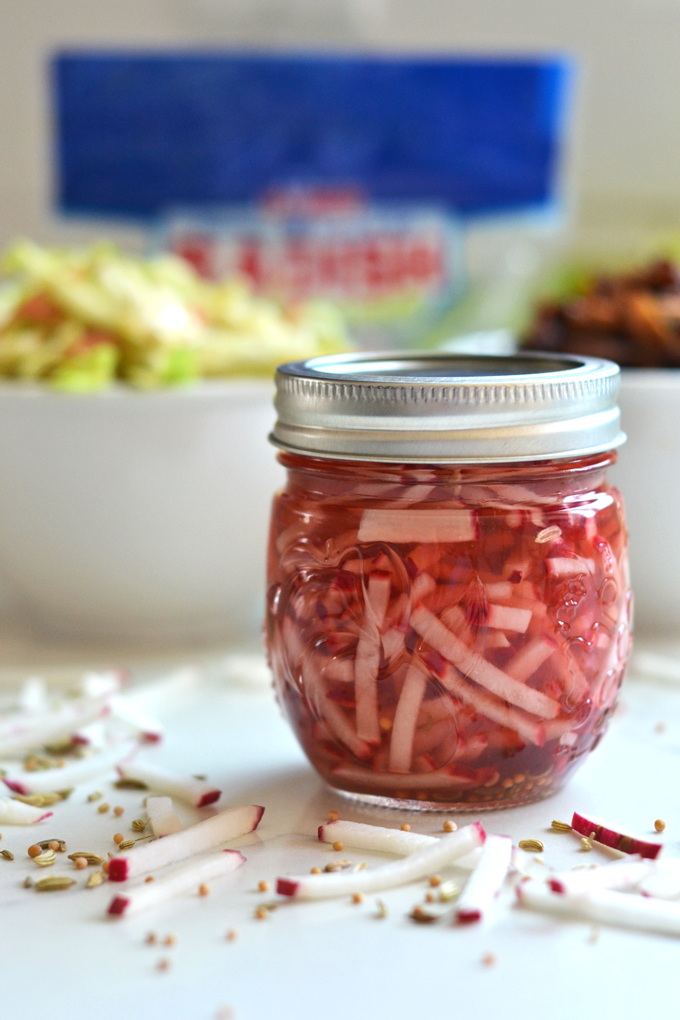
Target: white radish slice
(101,685)
(184,878)
(339,670)
(136,721)
(478,669)
(614,836)
(193,791)
(565,567)
(423,862)
(470,749)
(621,874)
(423,585)
(33,695)
(438,778)
(508,618)
(74,774)
(205,835)
(374,837)
(529,658)
(405,719)
(406,526)
(486,881)
(664,881)
(529,729)
(367,660)
(164,820)
(393,642)
(15,812)
(496,639)
(338,723)
(498,589)
(19,732)
(605,907)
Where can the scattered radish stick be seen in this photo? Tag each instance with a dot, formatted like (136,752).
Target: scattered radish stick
(82,770)
(529,729)
(162,816)
(367,661)
(408,526)
(664,882)
(508,618)
(436,779)
(478,669)
(33,695)
(19,732)
(405,719)
(605,906)
(486,881)
(615,837)
(498,589)
(529,658)
(166,691)
(134,719)
(205,835)
(622,874)
(193,791)
(374,837)
(15,812)
(447,849)
(566,567)
(184,878)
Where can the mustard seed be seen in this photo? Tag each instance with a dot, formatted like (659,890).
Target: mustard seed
(338,846)
(406,827)
(333,816)
(435,880)
(53,845)
(169,940)
(659,825)
(358,897)
(261,913)
(103,808)
(34,851)
(315,871)
(151,938)
(118,811)
(232,935)
(80,863)
(203,890)
(449,826)
(163,964)
(263,886)
(118,837)
(149,878)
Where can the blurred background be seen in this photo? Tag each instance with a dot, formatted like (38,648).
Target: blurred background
(331,172)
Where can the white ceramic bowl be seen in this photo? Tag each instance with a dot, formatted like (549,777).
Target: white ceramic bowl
(139,515)
(648,474)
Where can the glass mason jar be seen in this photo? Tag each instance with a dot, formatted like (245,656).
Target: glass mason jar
(448,611)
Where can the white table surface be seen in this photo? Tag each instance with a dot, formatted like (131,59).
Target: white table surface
(61,957)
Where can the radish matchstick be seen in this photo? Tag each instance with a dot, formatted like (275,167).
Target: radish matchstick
(193,791)
(528,659)
(472,665)
(204,835)
(184,878)
(623,874)
(423,862)
(367,661)
(162,816)
(134,719)
(15,812)
(664,882)
(529,729)
(615,837)
(605,907)
(425,526)
(486,880)
(449,776)
(405,719)
(374,837)
(80,771)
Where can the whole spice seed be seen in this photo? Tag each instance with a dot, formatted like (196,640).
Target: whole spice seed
(315,871)
(531,845)
(118,811)
(163,964)
(448,891)
(149,878)
(335,866)
(90,858)
(28,882)
(421,916)
(45,845)
(203,890)
(231,935)
(139,824)
(406,827)
(169,940)
(7,854)
(261,913)
(263,886)
(126,844)
(489,960)
(95,879)
(45,859)
(34,851)
(54,883)
(39,799)
(130,784)
(80,863)
(429,897)
(659,825)
(338,846)
(382,909)
(560,826)
(449,826)
(151,938)
(548,535)
(103,808)
(118,837)
(435,880)
(361,866)
(97,795)
(358,897)
(53,845)
(333,816)
(586,843)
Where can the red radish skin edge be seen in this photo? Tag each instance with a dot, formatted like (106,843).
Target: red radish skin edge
(285,887)
(209,798)
(617,840)
(16,787)
(468,916)
(118,905)
(118,869)
(557,886)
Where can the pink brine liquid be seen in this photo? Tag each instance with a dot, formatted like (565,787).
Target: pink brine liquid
(445,635)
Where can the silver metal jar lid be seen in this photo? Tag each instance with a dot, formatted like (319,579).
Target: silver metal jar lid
(454,408)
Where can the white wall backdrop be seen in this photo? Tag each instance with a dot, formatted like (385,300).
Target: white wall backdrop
(624,166)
